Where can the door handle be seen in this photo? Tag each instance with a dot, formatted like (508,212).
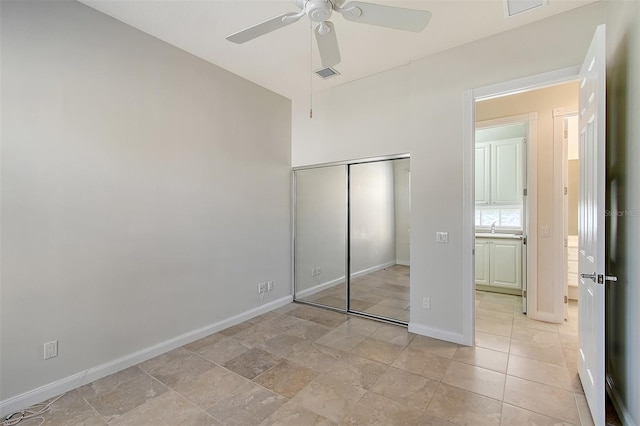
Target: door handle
(592,276)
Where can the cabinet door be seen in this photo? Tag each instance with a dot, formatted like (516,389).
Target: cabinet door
(482,262)
(506,263)
(506,171)
(483,173)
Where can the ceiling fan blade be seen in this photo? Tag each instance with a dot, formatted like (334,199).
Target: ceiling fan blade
(327,44)
(262,28)
(386,16)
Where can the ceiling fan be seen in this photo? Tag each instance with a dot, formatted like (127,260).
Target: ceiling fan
(320,11)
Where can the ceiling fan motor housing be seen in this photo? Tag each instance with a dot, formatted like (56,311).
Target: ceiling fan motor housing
(317,10)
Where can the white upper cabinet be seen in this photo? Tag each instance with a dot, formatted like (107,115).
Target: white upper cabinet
(499,172)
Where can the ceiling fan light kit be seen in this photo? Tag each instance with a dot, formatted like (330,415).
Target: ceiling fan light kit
(320,11)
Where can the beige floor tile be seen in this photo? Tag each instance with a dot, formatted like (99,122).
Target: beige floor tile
(434,346)
(341,340)
(329,397)
(569,341)
(507,299)
(393,334)
(211,386)
(541,372)
(377,350)
(482,357)
(358,305)
(492,341)
(431,420)
(318,357)
(488,314)
(199,419)
(358,371)
(501,328)
(475,379)
(250,405)
(394,303)
(167,409)
(489,305)
(407,388)
(126,396)
(308,330)
(551,354)
(374,409)
(235,329)
(422,363)
(516,416)
(71,408)
(583,411)
(523,321)
(221,351)
(355,325)
(109,382)
(287,378)
(255,336)
(176,367)
(543,399)
(283,344)
(292,414)
(386,312)
(541,337)
(205,341)
(252,363)
(463,407)
(329,318)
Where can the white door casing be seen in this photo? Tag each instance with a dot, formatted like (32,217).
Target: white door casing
(591,235)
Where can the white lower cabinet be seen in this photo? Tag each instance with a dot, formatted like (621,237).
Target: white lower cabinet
(499,262)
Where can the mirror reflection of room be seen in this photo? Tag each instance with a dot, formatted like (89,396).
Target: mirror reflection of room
(378,214)
(380,227)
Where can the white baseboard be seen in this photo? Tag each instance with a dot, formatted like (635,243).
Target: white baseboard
(547,317)
(318,288)
(323,286)
(403,262)
(26,399)
(372,269)
(437,333)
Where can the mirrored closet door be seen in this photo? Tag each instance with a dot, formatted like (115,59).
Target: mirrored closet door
(353,220)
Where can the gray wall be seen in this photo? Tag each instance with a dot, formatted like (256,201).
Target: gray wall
(623,225)
(145,192)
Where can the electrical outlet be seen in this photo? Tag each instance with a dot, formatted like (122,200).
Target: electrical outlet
(269,285)
(546,231)
(426,303)
(442,237)
(318,270)
(313,272)
(51,349)
(262,287)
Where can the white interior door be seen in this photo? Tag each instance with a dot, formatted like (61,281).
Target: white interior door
(591,207)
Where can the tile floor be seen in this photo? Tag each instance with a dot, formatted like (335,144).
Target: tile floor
(303,366)
(384,293)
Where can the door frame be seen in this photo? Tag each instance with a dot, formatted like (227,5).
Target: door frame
(537,81)
(560,212)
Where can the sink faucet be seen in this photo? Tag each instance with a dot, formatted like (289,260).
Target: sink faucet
(493,228)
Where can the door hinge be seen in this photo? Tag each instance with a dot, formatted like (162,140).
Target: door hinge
(566,242)
(566,191)
(524,293)
(566,134)
(524,241)
(566,299)
(524,139)
(524,192)
(473,252)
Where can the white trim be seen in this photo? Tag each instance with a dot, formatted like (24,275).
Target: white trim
(403,262)
(373,269)
(512,87)
(468,221)
(26,399)
(506,120)
(559,213)
(531,276)
(437,333)
(538,81)
(318,288)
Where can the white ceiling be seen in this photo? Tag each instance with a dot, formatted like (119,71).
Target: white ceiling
(280,61)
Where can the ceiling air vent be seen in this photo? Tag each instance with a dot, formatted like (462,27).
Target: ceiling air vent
(327,72)
(515,7)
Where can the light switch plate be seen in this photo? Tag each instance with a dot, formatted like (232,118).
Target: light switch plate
(442,237)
